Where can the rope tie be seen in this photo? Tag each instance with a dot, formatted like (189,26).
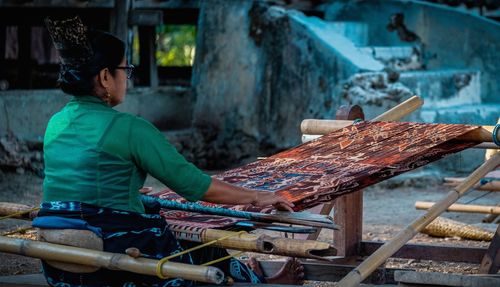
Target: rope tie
(494,134)
(162,261)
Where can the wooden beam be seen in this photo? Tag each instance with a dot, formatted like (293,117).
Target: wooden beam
(472,255)
(330,272)
(491,260)
(24,56)
(443,279)
(3,41)
(172,4)
(148,70)
(119,19)
(146,17)
(348,213)
(58,3)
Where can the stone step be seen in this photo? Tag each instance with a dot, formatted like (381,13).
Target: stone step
(445,87)
(474,114)
(355,31)
(401,58)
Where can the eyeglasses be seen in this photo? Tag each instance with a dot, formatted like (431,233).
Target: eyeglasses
(128,69)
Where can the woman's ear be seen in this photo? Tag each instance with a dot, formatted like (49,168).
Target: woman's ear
(104,78)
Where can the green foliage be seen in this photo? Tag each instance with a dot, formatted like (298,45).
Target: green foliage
(175,45)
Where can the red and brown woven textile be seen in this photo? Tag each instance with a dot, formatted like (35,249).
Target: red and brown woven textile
(345,161)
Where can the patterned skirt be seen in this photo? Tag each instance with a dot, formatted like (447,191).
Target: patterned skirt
(123,229)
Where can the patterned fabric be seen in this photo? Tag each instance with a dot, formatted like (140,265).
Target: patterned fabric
(147,232)
(338,163)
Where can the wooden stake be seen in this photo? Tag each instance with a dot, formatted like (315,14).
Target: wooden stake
(108,260)
(461,207)
(355,277)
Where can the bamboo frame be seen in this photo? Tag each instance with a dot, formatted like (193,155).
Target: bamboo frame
(314,128)
(355,277)
(469,208)
(247,242)
(355,200)
(108,260)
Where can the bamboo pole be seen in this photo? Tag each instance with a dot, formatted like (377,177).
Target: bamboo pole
(490,217)
(361,272)
(489,186)
(108,260)
(489,146)
(400,111)
(469,208)
(321,127)
(481,135)
(270,245)
(9,209)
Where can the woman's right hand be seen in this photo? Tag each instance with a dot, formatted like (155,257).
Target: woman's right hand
(265,198)
(226,193)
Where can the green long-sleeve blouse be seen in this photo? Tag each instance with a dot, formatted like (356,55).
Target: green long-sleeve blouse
(97,155)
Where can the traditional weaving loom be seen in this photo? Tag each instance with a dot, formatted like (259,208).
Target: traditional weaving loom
(336,166)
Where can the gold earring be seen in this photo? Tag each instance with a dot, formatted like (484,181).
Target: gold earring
(108,97)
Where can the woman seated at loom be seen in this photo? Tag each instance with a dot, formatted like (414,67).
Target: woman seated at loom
(97,159)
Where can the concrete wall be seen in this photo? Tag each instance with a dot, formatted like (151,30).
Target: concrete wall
(452,38)
(260,70)
(26,112)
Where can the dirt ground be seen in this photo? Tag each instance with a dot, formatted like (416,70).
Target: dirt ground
(386,211)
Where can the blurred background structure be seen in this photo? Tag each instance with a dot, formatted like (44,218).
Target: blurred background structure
(230,80)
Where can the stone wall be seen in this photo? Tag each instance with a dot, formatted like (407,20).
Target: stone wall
(260,70)
(26,113)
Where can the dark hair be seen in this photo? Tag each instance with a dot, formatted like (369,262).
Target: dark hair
(108,52)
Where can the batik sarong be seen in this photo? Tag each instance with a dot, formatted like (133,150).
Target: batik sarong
(123,229)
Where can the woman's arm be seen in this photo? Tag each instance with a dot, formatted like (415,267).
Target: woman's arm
(225,193)
(154,154)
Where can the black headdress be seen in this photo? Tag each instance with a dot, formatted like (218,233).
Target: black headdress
(70,37)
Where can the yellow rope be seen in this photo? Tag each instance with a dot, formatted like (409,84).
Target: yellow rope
(19,213)
(17,230)
(16,214)
(160,263)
